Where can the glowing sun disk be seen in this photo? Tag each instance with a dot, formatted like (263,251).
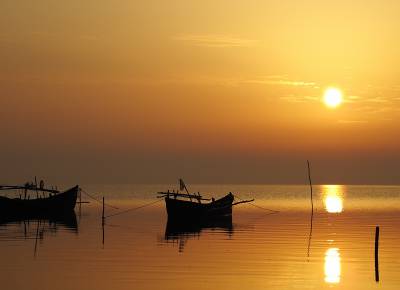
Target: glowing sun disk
(333,97)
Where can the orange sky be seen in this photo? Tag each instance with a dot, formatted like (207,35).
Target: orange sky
(214,91)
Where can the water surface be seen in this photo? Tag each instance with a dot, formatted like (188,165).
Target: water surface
(258,249)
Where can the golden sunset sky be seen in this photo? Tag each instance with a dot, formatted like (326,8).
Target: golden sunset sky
(212,91)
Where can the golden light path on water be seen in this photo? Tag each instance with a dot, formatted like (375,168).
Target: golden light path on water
(333,198)
(332,266)
(333,203)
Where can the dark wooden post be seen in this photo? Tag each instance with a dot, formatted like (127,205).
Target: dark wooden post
(377,254)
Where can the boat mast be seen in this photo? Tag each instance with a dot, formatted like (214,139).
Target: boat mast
(182,186)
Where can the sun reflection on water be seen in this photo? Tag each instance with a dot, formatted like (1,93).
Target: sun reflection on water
(333,198)
(332,266)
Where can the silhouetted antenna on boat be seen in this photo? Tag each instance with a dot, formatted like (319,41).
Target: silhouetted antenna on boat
(182,185)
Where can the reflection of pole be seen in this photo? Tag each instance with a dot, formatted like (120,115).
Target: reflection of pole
(102,222)
(102,216)
(25,230)
(309,179)
(312,210)
(310,234)
(103,234)
(376,254)
(37,234)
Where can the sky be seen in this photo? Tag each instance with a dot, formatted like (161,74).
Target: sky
(210,91)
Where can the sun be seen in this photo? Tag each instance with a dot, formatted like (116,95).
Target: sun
(333,97)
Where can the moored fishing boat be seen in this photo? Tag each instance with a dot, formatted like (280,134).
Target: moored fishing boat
(48,202)
(193,207)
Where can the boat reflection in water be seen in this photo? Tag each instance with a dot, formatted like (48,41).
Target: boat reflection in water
(65,220)
(15,228)
(181,231)
(333,198)
(50,207)
(332,266)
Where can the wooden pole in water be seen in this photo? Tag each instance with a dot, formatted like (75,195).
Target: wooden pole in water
(377,254)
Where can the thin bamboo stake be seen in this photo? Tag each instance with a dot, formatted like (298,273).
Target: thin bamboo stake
(377,254)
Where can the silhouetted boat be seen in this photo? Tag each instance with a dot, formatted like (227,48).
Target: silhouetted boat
(195,210)
(186,206)
(54,204)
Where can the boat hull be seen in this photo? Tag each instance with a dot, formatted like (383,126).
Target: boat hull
(55,205)
(178,209)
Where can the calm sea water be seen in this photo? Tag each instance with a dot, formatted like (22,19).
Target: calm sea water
(258,250)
